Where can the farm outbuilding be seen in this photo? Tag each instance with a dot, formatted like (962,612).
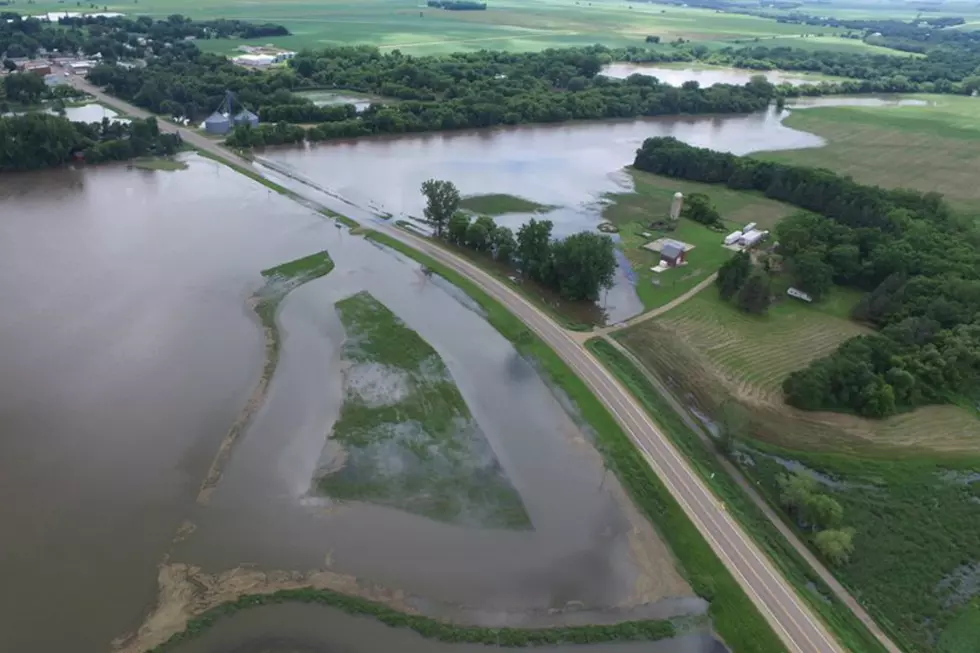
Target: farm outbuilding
(217,123)
(672,254)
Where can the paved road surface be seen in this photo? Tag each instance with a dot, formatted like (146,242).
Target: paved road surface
(789,615)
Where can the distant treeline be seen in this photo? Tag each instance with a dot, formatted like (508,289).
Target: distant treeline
(457,5)
(116,37)
(918,262)
(39,140)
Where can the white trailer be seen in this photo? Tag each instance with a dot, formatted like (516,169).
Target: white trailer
(733,237)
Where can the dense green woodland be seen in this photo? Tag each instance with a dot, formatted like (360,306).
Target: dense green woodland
(39,140)
(917,260)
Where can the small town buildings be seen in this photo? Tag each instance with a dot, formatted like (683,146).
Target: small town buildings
(256,60)
(40,68)
(81,67)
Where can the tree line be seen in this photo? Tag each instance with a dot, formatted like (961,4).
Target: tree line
(116,37)
(577,268)
(39,140)
(917,261)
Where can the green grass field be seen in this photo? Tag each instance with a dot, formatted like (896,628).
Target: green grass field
(505,25)
(650,200)
(409,440)
(713,352)
(928,148)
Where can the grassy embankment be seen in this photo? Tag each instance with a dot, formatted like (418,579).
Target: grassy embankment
(703,458)
(409,439)
(425,626)
(650,200)
(928,148)
(499,204)
(506,25)
(158,163)
(915,526)
(735,618)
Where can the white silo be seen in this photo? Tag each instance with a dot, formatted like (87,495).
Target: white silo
(676,205)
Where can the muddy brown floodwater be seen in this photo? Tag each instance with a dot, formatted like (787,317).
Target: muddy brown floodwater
(127,350)
(705,75)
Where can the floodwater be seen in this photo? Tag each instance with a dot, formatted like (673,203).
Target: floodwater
(571,166)
(309,629)
(361,101)
(91,113)
(127,353)
(705,75)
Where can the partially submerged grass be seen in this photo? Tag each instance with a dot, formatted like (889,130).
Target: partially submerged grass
(750,516)
(735,618)
(409,439)
(158,163)
(916,560)
(426,626)
(279,281)
(499,203)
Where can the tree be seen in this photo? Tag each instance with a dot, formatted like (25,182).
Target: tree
(9,65)
(698,207)
(835,545)
(812,274)
(825,511)
(534,248)
(504,244)
(24,87)
(441,203)
(479,235)
(733,425)
(732,274)
(796,493)
(458,225)
(582,265)
(755,294)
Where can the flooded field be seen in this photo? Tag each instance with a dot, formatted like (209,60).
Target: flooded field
(675,75)
(130,351)
(361,101)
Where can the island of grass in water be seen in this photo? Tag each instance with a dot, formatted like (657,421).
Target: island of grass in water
(408,438)
(501,204)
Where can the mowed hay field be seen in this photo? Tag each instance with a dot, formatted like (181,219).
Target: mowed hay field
(929,148)
(709,352)
(505,25)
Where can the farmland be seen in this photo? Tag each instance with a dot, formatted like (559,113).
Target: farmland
(650,200)
(505,25)
(935,147)
(716,352)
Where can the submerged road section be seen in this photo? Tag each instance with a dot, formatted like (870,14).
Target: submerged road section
(788,614)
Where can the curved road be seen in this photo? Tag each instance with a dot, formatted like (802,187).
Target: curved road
(788,614)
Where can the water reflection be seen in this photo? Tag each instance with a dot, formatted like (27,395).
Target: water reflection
(705,75)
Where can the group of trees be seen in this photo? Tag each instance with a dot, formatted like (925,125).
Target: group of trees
(577,267)
(40,140)
(745,283)
(118,36)
(698,207)
(818,513)
(918,262)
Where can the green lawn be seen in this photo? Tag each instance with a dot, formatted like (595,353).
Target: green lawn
(650,200)
(409,440)
(499,204)
(928,148)
(505,25)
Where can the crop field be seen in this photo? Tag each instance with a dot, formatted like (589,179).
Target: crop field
(928,148)
(505,25)
(708,351)
(650,200)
